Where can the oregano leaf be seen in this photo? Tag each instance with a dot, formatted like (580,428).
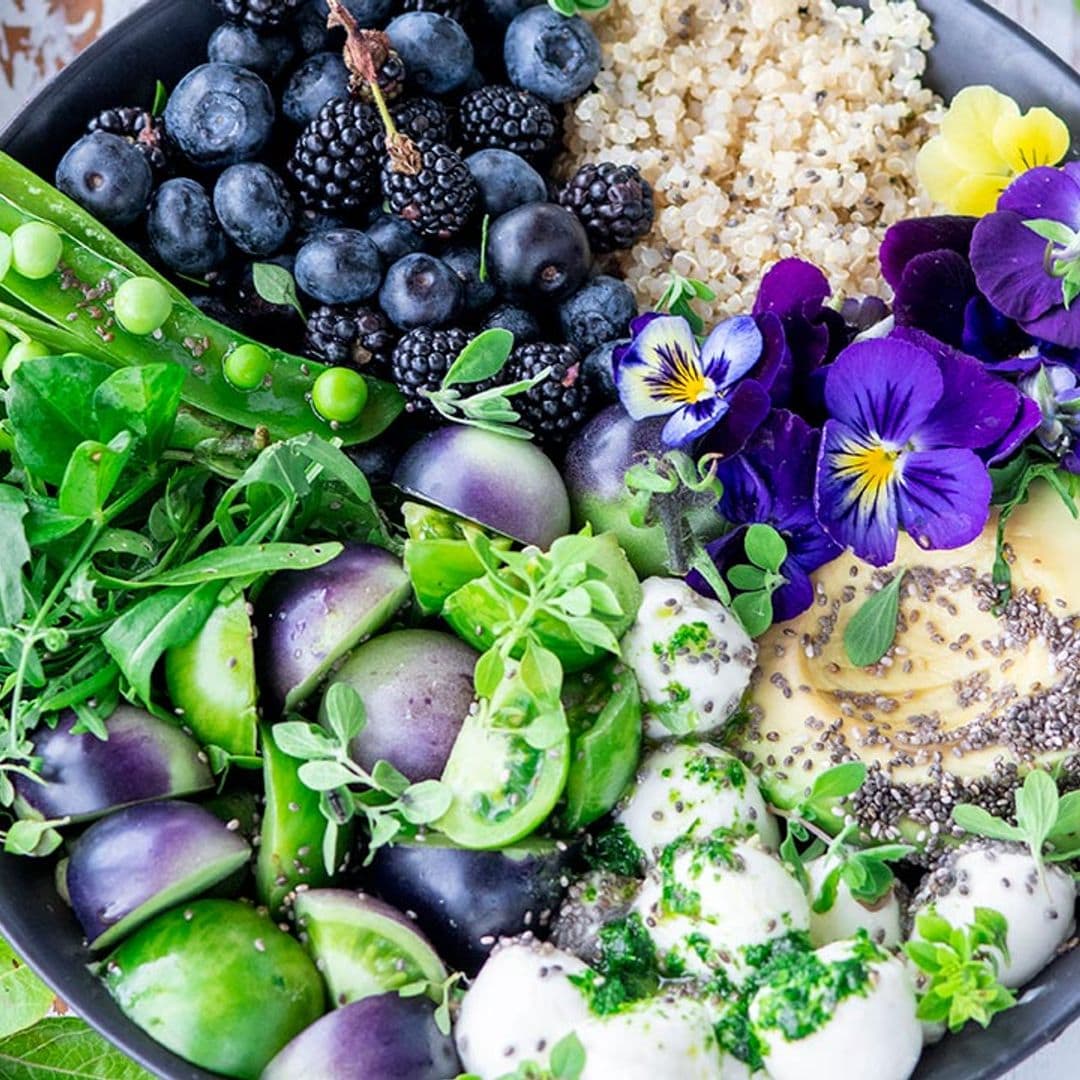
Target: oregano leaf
(872,629)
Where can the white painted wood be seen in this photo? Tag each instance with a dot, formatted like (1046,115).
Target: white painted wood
(1054,21)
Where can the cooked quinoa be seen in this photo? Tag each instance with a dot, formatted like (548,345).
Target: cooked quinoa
(768,128)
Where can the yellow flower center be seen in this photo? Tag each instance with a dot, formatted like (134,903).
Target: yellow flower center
(872,468)
(689,384)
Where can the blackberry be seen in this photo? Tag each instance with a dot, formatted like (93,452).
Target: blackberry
(258,14)
(508,119)
(557,407)
(144,131)
(613,202)
(421,359)
(391,72)
(352,336)
(336,161)
(423,119)
(430,186)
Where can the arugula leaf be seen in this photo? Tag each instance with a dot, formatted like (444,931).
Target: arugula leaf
(143,400)
(92,473)
(870,633)
(24,998)
(14,555)
(64,1048)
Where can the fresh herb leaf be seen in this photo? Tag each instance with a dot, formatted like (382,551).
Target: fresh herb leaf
(485,235)
(754,610)
(276,285)
(64,1048)
(568,1054)
(678,300)
(483,358)
(93,471)
(14,555)
(839,781)
(765,547)
(24,998)
(143,400)
(870,633)
(161,99)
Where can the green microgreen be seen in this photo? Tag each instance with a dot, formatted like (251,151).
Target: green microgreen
(445,993)
(872,629)
(569,8)
(276,285)
(492,409)
(1062,257)
(961,964)
(485,236)
(679,297)
(812,818)
(758,579)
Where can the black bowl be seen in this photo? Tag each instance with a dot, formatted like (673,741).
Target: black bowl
(164,39)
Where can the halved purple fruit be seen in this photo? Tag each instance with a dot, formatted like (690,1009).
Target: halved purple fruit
(83,777)
(387,1037)
(508,485)
(363,946)
(130,866)
(211,680)
(217,983)
(417,688)
(465,900)
(309,619)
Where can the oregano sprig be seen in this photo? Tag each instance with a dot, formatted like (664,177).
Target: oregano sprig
(872,629)
(679,296)
(758,579)
(865,871)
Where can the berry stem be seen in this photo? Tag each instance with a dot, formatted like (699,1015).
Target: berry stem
(361,49)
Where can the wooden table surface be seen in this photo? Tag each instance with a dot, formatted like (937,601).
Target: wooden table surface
(1055,21)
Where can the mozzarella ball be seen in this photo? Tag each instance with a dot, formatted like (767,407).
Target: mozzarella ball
(1040,913)
(520,1004)
(664,1036)
(692,659)
(713,900)
(873,1032)
(882,921)
(693,788)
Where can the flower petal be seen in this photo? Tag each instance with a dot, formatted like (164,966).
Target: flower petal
(938,171)
(775,367)
(694,420)
(968,128)
(989,335)
(976,409)
(1026,422)
(1057,326)
(796,595)
(944,497)
(749,405)
(1044,193)
(654,373)
(883,387)
(1007,258)
(934,293)
(731,350)
(855,505)
(789,286)
(979,194)
(1039,137)
(917,236)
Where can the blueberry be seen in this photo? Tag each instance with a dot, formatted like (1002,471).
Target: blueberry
(254,208)
(599,313)
(220,114)
(551,55)
(339,267)
(437,52)
(504,12)
(184,230)
(268,56)
(598,370)
(478,295)
(538,253)
(421,290)
(318,79)
(107,176)
(309,27)
(506,180)
(521,323)
(393,236)
(313,222)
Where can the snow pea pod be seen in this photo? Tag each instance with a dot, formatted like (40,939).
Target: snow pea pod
(78,297)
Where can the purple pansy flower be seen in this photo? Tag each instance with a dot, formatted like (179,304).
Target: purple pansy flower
(899,449)
(664,372)
(772,481)
(1055,390)
(1017,268)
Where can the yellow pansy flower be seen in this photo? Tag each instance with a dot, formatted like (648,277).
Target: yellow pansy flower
(985,143)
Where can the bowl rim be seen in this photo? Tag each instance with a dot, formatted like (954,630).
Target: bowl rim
(142,1048)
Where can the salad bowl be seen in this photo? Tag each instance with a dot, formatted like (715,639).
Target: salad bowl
(974,44)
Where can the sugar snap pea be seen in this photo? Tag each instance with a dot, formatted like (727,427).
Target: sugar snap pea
(78,298)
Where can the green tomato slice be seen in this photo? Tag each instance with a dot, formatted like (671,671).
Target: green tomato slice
(503,788)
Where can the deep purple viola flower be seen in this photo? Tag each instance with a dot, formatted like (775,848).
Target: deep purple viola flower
(795,292)
(772,481)
(899,450)
(1019,270)
(925,260)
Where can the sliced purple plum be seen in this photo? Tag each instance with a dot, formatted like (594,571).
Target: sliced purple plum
(363,946)
(417,688)
(387,1037)
(465,900)
(309,619)
(504,484)
(138,862)
(84,777)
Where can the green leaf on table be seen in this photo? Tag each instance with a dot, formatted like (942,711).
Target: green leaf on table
(483,358)
(24,998)
(276,285)
(143,400)
(64,1048)
(765,547)
(92,473)
(139,638)
(33,838)
(50,405)
(872,629)
(14,555)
